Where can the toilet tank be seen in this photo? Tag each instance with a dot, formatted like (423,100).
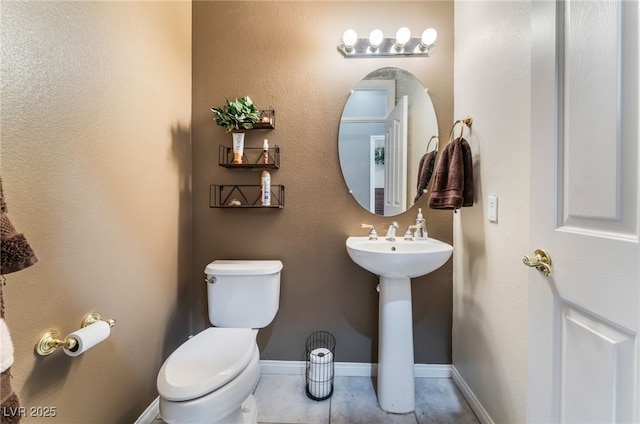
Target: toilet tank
(243,294)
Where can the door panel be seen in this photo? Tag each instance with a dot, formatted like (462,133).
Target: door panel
(590,95)
(597,356)
(594,143)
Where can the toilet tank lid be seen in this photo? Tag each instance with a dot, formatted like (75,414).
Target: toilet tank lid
(240,267)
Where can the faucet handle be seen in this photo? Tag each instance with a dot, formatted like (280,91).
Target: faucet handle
(410,232)
(373,235)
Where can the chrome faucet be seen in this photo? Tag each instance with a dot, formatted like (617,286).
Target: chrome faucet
(391,232)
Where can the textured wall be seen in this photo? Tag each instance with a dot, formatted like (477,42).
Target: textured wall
(96,167)
(492,83)
(284,54)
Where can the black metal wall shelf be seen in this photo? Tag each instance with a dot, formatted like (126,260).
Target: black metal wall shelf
(252,158)
(235,196)
(267,120)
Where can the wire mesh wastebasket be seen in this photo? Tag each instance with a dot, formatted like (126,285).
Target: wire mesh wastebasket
(320,353)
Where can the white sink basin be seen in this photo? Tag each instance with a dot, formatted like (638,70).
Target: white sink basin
(399,258)
(396,262)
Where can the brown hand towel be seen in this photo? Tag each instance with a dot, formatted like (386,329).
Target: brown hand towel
(425,171)
(453,181)
(10,412)
(15,251)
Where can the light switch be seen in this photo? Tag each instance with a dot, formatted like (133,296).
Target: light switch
(492,208)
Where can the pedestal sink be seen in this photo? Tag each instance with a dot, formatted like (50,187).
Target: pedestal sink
(396,262)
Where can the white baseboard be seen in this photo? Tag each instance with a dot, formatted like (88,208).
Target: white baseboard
(350,369)
(150,414)
(472,400)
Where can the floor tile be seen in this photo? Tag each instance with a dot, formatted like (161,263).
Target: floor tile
(282,399)
(354,401)
(438,401)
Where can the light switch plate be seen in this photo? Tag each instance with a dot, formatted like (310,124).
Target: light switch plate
(492,208)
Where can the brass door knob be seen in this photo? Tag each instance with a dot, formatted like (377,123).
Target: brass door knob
(539,260)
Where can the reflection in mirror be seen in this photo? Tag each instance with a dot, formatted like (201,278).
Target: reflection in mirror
(387,141)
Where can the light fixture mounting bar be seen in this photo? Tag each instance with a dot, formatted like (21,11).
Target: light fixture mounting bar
(387,48)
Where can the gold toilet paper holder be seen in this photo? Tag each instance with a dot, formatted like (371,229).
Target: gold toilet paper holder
(51,340)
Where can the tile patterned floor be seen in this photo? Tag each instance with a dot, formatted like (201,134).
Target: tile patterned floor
(282,400)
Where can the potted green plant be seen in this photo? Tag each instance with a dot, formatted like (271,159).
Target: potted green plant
(236,115)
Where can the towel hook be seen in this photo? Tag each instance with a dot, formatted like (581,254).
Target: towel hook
(468,121)
(437,143)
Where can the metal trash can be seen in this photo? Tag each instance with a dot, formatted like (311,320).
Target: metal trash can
(320,354)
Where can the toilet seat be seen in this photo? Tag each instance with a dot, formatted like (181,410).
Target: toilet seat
(206,362)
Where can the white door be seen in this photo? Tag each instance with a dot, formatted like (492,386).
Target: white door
(584,319)
(395,159)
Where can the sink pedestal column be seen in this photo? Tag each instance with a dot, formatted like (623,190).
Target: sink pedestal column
(396,386)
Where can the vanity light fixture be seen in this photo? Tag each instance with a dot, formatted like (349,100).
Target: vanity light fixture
(377,45)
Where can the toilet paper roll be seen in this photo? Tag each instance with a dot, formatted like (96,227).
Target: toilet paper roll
(320,372)
(321,356)
(88,337)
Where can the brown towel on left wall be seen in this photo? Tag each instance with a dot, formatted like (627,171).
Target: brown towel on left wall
(15,255)
(452,186)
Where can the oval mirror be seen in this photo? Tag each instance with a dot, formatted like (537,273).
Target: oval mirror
(387,141)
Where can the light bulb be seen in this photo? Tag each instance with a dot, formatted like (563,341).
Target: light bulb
(429,37)
(375,38)
(402,37)
(349,38)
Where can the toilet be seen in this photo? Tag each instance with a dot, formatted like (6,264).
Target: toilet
(211,377)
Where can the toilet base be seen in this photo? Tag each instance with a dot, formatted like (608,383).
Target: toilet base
(246,414)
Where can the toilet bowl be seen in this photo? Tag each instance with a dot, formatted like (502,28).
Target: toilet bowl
(211,377)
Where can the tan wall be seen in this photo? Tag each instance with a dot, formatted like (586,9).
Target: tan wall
(284,54)
(492,83)
(96,166)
